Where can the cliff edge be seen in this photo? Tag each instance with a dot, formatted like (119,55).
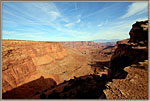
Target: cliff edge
(130,51)
(129,66)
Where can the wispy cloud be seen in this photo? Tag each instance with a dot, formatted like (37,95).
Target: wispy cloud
(54,14)
(23,34)
(78,21)
(119,29)
(135,8)
(100,11)
(99,25)
(46,13)
(30,36)
(142,19)
(69,24)
(72,23)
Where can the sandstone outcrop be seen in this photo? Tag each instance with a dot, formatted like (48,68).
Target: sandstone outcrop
(138,33)
(129,66)
(130,51)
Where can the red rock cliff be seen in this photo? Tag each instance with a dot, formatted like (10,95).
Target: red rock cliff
(20,60)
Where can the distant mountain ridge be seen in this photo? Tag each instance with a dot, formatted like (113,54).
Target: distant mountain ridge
(105,40)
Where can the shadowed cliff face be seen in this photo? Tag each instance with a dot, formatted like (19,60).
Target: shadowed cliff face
(30,89)
(138,33)
(132,50)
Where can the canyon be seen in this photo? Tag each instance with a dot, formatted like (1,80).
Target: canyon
(60,70)
(27,61)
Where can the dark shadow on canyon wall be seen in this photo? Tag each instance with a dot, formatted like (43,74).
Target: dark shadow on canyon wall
(30,89)
(84,87)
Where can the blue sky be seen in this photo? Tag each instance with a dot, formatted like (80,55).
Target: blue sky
(70,21)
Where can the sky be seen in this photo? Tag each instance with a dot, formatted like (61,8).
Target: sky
(70,21)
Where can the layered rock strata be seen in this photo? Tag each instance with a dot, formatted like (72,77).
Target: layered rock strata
(20,60)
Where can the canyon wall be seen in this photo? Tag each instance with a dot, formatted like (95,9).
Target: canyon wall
(20,60)
(78,43)
(81,44)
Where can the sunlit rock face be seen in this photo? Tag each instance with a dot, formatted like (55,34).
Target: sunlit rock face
(20,60)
